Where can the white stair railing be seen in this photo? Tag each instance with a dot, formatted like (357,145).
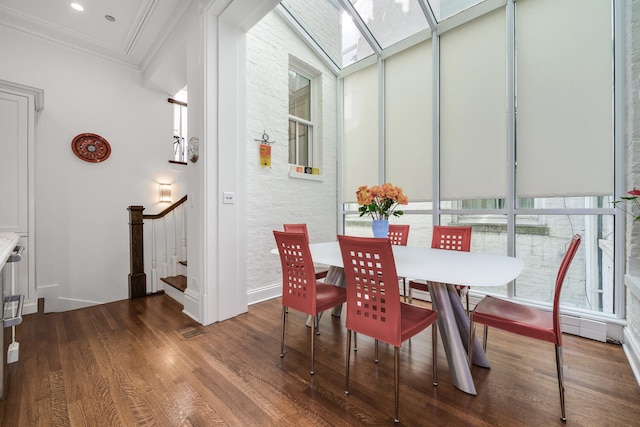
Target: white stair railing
(164,238)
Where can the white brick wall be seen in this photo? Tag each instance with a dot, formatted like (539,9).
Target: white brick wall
(633,162)
(273,198)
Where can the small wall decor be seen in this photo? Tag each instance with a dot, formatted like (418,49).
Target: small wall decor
(90,147)
(265,150)
(193,149)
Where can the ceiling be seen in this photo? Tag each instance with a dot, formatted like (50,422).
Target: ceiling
(139,28)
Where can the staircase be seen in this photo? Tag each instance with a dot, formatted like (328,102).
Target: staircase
(177,284)
(158,251)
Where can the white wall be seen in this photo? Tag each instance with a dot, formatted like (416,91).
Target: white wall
(632,330)
(81,225)
(274,198)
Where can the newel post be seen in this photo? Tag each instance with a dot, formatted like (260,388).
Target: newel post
(137,277)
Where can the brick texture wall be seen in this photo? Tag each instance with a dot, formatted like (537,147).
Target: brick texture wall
(633,152)
(273,197)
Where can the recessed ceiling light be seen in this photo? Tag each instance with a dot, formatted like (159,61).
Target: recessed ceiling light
(109,18)
(77,6)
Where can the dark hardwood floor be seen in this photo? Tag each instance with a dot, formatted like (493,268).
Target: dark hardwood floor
(142,362)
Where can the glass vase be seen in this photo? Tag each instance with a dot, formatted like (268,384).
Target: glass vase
(380,227)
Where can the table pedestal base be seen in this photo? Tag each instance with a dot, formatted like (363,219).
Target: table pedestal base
(454,330)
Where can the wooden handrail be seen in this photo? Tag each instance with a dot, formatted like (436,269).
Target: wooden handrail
(167,210)
(137,276)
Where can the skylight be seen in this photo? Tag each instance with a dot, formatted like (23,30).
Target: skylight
(347,31)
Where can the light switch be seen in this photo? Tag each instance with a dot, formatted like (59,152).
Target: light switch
(228,198)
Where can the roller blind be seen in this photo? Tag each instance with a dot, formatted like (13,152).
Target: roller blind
(408,97)
(473,143)
(360,140)
(565,98)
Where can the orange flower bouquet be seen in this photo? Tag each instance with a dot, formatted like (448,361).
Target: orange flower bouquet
(381,202)
(634,195)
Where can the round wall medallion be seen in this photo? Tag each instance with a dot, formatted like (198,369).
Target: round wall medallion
(91,147)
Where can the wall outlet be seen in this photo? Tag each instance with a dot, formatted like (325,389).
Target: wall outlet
(12,352)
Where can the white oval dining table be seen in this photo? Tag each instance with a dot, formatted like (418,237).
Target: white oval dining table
(441,268)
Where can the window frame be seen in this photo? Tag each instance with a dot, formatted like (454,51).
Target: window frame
(312,140)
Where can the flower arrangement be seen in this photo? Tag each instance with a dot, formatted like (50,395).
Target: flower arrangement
(634,194)
(381,201)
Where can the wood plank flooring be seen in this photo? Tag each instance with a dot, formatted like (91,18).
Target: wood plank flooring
(142,362)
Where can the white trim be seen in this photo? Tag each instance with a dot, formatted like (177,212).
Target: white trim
(174,293)
(631,349)
(307,176)
(265,293)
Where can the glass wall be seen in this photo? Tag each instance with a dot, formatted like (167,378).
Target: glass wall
(504,123)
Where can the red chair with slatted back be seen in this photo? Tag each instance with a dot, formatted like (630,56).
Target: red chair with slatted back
(321,270)
(373,301)
(528,321)
(450,237)
(300,289)
(399,235)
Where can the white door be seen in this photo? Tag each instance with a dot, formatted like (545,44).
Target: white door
(17,127)
(13,163)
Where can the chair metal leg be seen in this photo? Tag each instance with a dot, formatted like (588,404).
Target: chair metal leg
(355,341)
(284,320)
(484,338)
(467,298)
(472,336)
(346,375)
(318,317)
(313,338)
(434,344)
(559,366)
(404,288)
(396,373)
(376,359)
(410,295)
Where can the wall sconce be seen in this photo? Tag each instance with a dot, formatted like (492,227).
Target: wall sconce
(165,193)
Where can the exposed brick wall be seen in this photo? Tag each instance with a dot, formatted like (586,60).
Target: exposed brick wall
(633,153)
(273,197)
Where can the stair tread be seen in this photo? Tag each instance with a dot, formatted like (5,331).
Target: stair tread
(179,282)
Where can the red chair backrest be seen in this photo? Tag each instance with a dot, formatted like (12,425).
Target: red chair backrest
(562,272)
(297,228)
(298,274)
(456,238)
(373,296)
(398,234)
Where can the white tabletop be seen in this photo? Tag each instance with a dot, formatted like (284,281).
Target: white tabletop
(437,265)
(8,241)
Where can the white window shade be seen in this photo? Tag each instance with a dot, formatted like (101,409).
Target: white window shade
(565,96)
(409,121)
(360,141)
(473,135)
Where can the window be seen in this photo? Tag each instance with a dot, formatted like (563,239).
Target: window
(179,102)
(300,119)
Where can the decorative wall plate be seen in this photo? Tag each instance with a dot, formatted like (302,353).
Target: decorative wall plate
(91,147)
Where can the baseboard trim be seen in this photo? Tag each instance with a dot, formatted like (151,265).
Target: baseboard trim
(631,348)
(265,293)
(191,305)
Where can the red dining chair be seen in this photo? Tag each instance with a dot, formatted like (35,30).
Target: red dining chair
(373,302)
(321,270)
(528,321)
(300,289)
(399,235)
(455,238)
